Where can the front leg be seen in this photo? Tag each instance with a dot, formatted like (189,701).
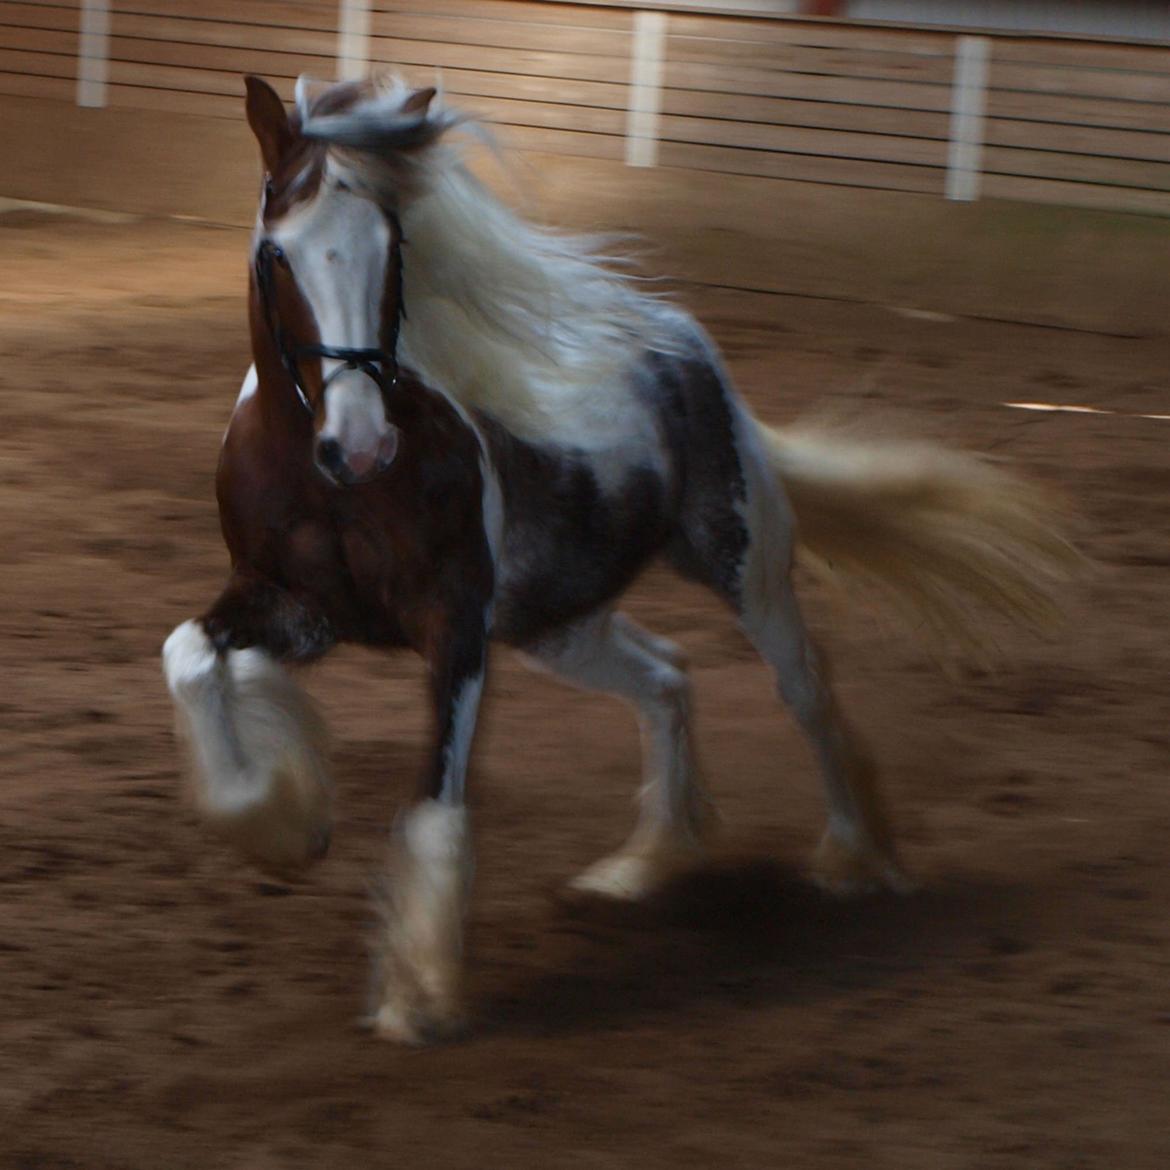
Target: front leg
(419,973)
(254,612)
(256,745)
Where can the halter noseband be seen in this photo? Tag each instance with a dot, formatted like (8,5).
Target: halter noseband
(371,362)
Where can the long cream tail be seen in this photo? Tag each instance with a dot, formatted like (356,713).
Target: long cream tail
(945,536)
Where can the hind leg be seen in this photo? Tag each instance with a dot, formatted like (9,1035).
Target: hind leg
(857,851)
(256,746)
(611,653)
(739,541)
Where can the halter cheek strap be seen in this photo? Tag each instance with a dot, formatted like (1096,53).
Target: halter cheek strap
(374,363)
(370,362)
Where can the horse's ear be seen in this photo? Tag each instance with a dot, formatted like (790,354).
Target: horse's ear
(418,101)
(269,121)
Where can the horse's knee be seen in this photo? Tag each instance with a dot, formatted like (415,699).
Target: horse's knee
(672,652)
(801,673)
(659,647)
(252,612)
(803,692)
(799,682)
(669,686)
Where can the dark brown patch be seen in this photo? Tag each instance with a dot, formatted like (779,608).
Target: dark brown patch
(338,98)
(295,178)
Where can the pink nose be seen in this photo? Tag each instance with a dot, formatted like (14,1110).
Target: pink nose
(360,464)
(350,467)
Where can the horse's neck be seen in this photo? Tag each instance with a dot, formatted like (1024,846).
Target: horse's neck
(508,321)
(280,406)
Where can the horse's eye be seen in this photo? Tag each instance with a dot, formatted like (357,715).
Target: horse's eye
(277,254)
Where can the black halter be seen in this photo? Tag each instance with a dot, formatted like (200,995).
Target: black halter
(374,363)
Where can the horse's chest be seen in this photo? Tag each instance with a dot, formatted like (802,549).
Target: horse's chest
(396,569)
(370,565)
(355,576)
(314,560)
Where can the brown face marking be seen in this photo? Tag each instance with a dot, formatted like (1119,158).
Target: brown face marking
(284,312)
(294,180)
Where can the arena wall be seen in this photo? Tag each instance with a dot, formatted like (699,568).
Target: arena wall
(815,100)
(763,136)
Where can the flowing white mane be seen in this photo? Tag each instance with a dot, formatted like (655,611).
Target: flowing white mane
(536,326)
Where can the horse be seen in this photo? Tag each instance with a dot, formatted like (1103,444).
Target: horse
(462,428)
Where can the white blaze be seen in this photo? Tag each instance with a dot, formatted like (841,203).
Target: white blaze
(338,247)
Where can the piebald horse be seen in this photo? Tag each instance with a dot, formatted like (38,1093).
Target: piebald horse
(461,427)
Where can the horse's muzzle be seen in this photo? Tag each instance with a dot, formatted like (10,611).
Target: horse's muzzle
(348,469)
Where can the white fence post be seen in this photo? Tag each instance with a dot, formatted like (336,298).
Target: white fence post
(968,103)
(646,58)
(353,39)
(93,53)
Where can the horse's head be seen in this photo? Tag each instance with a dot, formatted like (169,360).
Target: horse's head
(327,274)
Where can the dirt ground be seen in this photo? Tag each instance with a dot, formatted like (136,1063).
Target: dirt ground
(165,1007)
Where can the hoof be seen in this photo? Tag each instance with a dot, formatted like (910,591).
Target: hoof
(282,835)
(850,870)
(403,1023)
(634,877)
(418,971)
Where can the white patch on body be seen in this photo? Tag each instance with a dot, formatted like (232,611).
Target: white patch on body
(251,381)
(250,384)
(492,505)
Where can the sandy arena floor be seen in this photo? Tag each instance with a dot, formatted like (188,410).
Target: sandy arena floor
(165,1008)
